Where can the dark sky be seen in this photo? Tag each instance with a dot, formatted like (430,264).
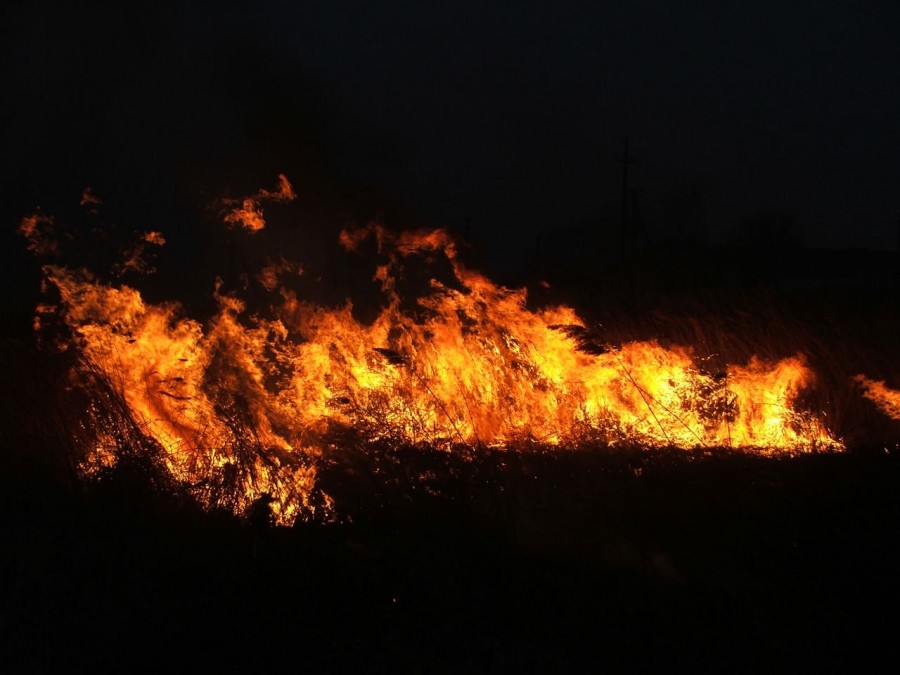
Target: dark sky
(510,115)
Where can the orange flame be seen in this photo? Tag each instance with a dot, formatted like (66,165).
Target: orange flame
(887,399)
(38,230)
(136,257)
(258,398)
(247,212)
(270,275)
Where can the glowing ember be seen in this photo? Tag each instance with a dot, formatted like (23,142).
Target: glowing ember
(244,405)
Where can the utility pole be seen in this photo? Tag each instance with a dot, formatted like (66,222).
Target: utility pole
(626,225)
(639,238)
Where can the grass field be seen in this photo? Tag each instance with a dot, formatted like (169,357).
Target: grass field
(520,560)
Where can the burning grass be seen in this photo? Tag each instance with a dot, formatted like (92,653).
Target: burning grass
(248,406)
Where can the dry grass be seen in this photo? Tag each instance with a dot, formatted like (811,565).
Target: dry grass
(840,333)
(63,418)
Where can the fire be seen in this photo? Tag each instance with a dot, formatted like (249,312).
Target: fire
(88,199)
(887,399)
(195,392)
(248,403)
(247,212)
(39,232)
(136,257)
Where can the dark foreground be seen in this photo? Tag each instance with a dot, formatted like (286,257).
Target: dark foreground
(509,563)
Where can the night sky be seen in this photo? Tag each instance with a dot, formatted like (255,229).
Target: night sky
(503,120)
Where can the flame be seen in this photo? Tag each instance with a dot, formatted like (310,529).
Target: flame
(153,237)
(269,276)
(136,258)
(247,404)
(887,399)
(39,232)
(196,393)
(247,212)
(89,199)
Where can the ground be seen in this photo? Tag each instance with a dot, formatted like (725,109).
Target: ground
(531,562)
